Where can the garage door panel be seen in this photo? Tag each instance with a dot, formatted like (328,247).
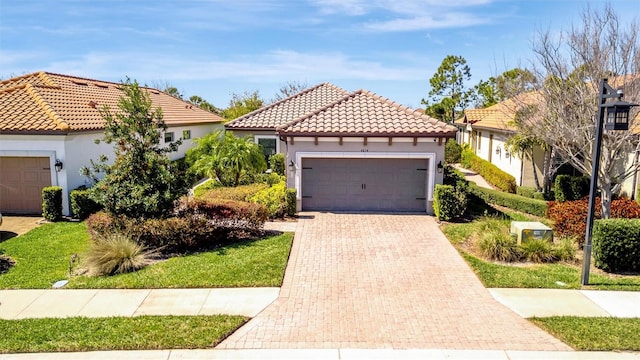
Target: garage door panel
(21,183)
(364,184)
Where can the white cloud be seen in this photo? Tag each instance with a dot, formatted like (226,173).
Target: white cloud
(425,22)
(276,65)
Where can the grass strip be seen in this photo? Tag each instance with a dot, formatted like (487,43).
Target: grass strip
(593,333)
(116,333)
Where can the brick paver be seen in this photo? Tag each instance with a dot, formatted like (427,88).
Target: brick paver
(383,281)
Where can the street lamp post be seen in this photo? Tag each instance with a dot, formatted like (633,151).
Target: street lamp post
(617,118)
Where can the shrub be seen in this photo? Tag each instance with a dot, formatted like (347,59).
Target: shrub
(565,249)
(225,213)
(452,152)
(498,245)
(5,262)
(491,173)
(512,201)
(570,217)
(207,185)
(526,191)
(238,193)
(52,203)
(539,195)
(81,204)
(616,245)
(569,188)
(276,163)
(117,254)
(291,200)
(538,250)
(273,199)
(269,178)
(449,203)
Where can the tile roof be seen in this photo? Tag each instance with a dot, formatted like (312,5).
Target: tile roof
(293,107)
(501,115)
(53,103)
(363,113)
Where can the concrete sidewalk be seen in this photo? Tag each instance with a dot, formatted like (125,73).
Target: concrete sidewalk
(329,354)
(59,303)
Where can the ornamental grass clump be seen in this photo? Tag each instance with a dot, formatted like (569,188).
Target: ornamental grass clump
(117,254)
(538,251)
(498,245)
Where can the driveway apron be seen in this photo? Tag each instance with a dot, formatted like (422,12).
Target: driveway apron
(383,281)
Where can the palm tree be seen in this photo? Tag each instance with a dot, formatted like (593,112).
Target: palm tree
(240,155)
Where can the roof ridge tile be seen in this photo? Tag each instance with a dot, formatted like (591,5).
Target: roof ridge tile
(317,111)
(61,124)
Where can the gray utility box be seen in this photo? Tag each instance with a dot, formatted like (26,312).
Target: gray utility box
(530,230)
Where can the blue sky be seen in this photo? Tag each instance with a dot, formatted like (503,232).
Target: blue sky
(213,48)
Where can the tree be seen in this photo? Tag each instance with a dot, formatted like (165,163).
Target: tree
(486,93)
(226,157)
(242,104)
(289,89)
(572,64)
(204,104)
(513,82)
(448,94)
(141,182)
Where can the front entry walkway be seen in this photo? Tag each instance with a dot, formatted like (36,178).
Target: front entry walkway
(383,281)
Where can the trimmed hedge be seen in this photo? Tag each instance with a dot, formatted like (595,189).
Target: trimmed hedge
(290,195)
(569,188)
(452,152)
(276,163)
(81,204)
(491,173)
(273,199)
(570,217)
(448,202)
(616,245)
(52,203)
(526,191)
(238,193)
(512,201)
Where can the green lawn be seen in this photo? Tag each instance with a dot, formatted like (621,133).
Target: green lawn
(42,258)
(593,334)
(116,333)
(558,275)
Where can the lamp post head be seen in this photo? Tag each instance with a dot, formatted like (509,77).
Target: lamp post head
(617,115)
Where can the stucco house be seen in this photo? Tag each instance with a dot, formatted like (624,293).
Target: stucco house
(487,130)
(48,127)
(354,151)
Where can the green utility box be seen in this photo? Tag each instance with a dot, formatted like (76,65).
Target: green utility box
(530,230)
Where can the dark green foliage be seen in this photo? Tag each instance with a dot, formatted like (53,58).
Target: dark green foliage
(448,202)
(276,163)
(491,173)
(142,181)
(452,152)
(230,159)
(526,191)
(569,188)
(512,201)
(5,262)
(616,245)
(269,178)
(81,203)
(290,194)
(52,203)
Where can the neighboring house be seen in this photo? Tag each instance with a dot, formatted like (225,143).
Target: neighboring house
(486,131)
(354,151)
(48,127)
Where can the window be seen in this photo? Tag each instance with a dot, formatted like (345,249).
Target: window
(186,134)
(269,145)
(168,137)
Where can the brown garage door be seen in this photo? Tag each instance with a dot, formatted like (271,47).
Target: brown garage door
(21,183)
(364,184)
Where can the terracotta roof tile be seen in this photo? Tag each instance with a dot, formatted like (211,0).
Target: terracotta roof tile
(53,103)
(283,111)
(363,113)
(501,115)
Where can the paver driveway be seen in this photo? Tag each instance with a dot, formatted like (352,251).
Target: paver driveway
(383,281)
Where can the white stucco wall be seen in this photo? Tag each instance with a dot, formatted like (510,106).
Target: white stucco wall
(484,146)
(75,150)
(355,148)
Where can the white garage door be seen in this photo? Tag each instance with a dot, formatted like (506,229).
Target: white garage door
(21,183)
(364,184)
